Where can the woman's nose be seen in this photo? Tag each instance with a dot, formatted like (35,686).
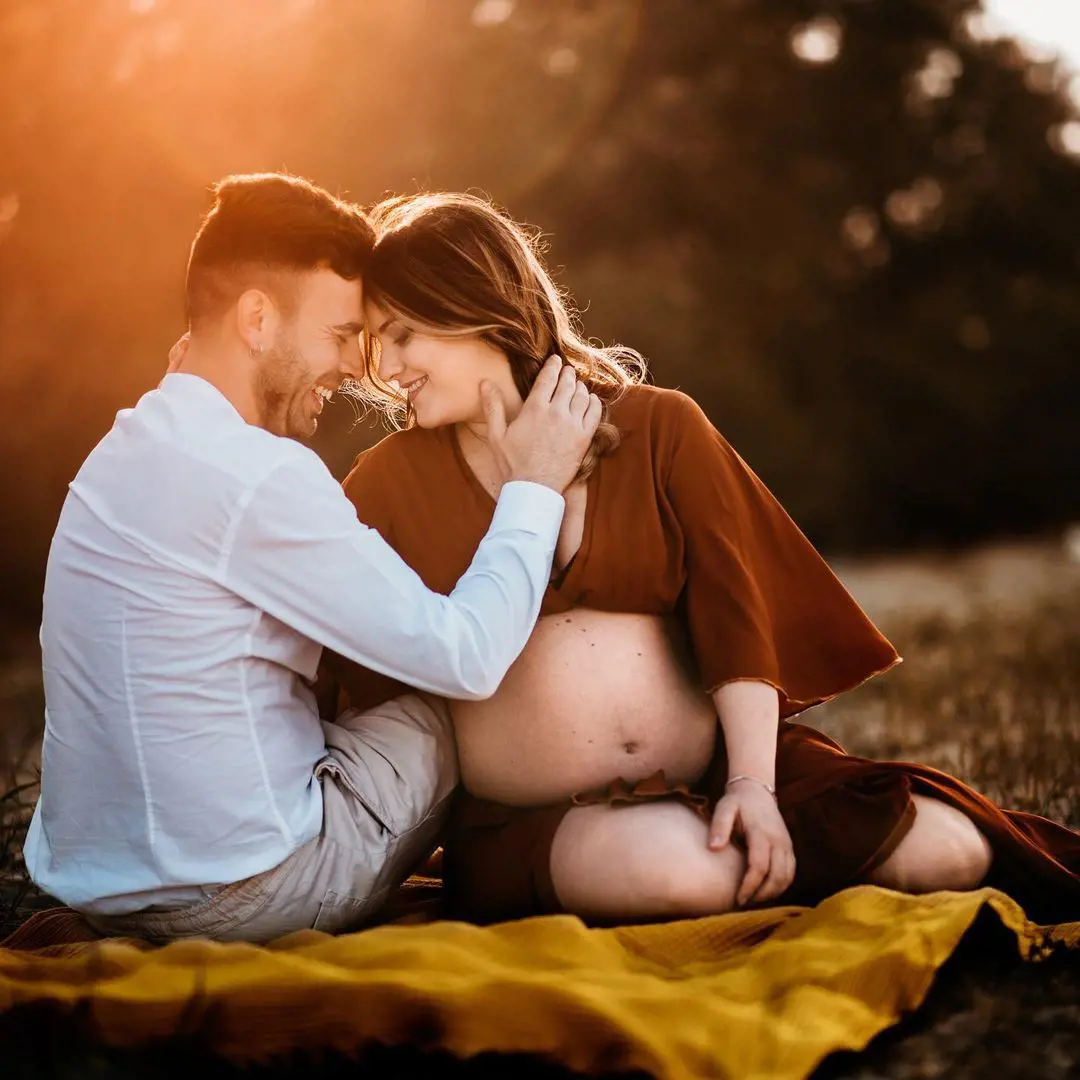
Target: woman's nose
(389,366)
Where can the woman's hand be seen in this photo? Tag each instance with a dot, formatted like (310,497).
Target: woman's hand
(748,810)
(749,711)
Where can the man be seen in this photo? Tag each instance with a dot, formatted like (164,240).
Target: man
(200,563)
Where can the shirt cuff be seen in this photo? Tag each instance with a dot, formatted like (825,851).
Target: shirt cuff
(534,508)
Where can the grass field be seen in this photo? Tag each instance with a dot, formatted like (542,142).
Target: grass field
(990,691)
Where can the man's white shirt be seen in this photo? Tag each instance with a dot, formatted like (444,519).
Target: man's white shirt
(198,567)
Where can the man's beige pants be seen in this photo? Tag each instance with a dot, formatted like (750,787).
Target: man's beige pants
(386,781)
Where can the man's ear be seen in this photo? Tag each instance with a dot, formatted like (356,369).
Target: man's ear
(256,320)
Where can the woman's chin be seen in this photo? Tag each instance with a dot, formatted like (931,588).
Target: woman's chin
(423,420)
(430,418)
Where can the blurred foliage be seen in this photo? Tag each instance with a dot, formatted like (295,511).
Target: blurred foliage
(849,228)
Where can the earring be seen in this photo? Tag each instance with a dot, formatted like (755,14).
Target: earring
(256,349)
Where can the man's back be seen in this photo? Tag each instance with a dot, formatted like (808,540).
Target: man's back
(179,742)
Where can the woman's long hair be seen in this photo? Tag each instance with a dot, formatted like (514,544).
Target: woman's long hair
(453,265)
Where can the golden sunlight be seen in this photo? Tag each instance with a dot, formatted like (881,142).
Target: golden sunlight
(817,41)
(1044,27)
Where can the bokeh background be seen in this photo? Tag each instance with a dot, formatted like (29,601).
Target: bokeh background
(849,228)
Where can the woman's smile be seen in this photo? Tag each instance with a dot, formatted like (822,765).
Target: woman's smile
(412,389)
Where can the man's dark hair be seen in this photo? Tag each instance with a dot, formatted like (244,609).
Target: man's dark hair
(264,228)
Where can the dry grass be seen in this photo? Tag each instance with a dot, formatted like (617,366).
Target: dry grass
(990,691)
(994,701)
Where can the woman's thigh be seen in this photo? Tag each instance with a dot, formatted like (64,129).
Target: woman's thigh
(642,862)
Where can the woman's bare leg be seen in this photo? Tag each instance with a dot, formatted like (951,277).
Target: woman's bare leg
(943,850)
(642,862)
(651,861)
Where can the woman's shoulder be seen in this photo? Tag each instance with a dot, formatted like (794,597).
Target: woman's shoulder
(670,428)
(657,409)
(658,399)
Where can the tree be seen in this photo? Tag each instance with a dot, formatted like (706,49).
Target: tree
(845,227)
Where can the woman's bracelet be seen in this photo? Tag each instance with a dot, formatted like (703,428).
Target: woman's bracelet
(735,779)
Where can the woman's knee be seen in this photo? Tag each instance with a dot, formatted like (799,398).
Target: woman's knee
(944,850)
(703,882)
(642,862)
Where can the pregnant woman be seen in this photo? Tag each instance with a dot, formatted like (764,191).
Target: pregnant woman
(640,760)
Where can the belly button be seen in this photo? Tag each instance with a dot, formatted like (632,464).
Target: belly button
(630,747)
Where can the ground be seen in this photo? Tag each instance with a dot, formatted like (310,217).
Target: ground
(989,690)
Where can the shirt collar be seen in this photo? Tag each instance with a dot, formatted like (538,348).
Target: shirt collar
(194,389)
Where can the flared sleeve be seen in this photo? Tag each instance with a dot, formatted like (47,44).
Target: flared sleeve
(760,601)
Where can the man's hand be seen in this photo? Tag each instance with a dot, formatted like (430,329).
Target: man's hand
(177,353)
(548,439)
(748,810)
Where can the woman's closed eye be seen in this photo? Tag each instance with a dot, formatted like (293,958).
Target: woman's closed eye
(401,337)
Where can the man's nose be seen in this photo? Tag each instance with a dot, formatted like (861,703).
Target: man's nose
(352,363)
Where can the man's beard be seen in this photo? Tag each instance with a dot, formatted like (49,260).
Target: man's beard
(282,382)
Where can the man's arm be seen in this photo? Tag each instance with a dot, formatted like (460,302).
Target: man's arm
(300,555)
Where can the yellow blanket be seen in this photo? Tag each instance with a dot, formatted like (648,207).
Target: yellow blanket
(754,995)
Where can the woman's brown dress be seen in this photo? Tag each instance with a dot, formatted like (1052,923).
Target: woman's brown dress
(677,524)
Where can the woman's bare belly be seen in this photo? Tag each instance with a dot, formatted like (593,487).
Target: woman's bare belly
(593,697)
